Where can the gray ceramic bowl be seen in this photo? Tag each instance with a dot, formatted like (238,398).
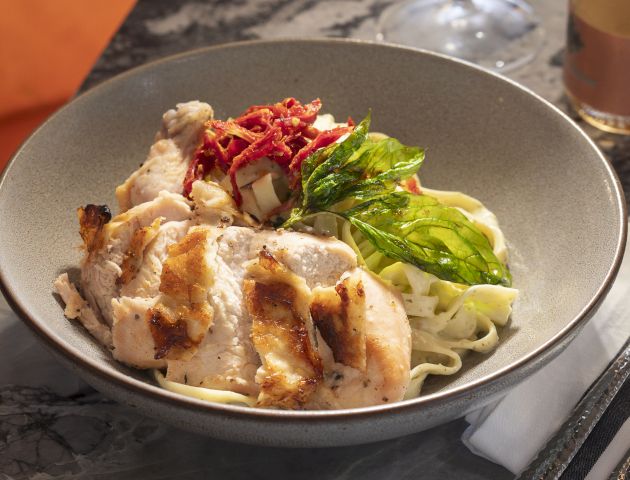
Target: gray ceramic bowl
(557,199)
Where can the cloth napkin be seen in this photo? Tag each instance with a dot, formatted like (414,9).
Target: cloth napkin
(511,431)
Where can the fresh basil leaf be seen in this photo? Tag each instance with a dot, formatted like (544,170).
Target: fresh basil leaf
(357,168)
(377,168)
(311,162)
(318,190)
(320,164)
(417,229)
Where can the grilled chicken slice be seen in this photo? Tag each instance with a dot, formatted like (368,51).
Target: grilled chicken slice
(123,264)
(145,278)
(166,165)
(339,315)
(170,325)
(278,302)
(287,326)
(359,354)
(319,260)
(120,244)
(368,308)
(227,359)
(182,316)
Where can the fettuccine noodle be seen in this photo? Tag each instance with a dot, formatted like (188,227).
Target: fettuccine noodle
(447,319)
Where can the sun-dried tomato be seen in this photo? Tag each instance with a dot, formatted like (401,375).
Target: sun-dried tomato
(282,132)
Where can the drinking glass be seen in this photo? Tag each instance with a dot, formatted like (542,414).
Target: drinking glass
(498,34)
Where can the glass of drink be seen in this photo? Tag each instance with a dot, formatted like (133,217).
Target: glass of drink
(497,34)
(597,62)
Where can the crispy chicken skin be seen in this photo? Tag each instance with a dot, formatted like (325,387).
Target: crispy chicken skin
(92,219)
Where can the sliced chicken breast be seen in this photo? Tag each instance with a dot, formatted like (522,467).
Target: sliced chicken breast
(115,250)
(319,260)
(123,266)
(282,316)
(359,354)
(182,315)
(283,334)
(365,307)
(170,325)
(227,359)
(169,157)
(131,334)
(145,281)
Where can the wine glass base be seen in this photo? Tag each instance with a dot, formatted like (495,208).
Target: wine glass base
(501,35)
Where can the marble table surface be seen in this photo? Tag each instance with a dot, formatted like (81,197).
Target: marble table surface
(54,426)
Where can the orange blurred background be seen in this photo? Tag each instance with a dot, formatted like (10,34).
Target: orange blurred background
(47,48)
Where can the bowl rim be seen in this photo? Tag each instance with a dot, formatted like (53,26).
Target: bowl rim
(158,394)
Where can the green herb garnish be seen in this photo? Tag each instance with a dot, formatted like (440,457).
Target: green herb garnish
(416,229)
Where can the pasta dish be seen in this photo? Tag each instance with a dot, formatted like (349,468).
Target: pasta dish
(282,260)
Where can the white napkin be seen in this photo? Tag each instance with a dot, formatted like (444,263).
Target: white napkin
(511,431)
